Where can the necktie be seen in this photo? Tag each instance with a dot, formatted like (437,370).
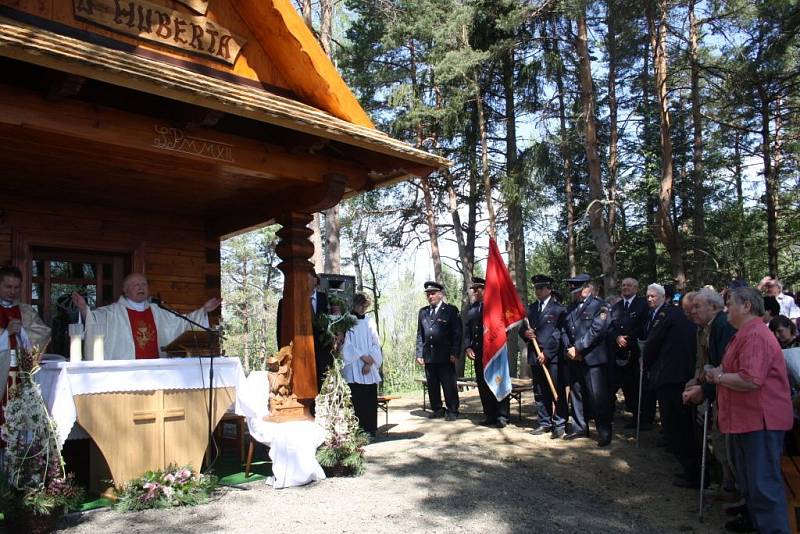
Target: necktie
(627,305)
(541,306)
(433,310)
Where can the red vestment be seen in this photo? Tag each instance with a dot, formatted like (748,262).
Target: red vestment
(6,315)
(145,335)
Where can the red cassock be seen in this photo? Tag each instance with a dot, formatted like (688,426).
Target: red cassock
(145,335)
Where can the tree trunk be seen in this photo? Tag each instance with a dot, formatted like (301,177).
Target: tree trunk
(316,238)
(307,14)
(326,26)
(770,182)
(700,252)
(487,179)
(516,232)
(738,175)
(613,142)
(595,210)
(333,257)
(566,155)
(665,229)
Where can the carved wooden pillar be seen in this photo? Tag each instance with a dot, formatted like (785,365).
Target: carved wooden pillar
(294,250)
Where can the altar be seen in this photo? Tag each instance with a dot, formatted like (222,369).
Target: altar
(142,414)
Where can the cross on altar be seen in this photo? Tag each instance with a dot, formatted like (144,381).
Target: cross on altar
(159,418)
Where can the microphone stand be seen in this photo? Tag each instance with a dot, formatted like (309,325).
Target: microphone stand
(212,333)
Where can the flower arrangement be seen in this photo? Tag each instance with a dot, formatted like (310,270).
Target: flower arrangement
(333,328)
(343,449)
(175,486)
(33,481)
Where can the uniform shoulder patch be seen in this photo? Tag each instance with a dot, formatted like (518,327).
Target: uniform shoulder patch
(603,313)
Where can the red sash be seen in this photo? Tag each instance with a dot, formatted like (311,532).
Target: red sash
(6,315)
(145,335)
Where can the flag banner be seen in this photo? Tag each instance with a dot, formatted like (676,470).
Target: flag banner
(502,309)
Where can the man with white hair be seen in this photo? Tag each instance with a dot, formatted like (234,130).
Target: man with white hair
(669,354)
(773,287)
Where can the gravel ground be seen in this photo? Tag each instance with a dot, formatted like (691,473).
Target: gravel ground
(434,476)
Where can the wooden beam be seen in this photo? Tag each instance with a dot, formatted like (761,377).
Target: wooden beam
(228,154)
(292,199)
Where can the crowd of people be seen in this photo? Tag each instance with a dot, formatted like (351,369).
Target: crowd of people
(708,357)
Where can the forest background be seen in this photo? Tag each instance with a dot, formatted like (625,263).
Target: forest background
(648,138)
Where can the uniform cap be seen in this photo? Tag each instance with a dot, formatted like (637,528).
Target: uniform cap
(542,279)
(477,282)
(578,281)
(431,287)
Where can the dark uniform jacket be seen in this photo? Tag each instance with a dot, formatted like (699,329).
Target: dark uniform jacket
(473,332)
(439,336)
(549,326)
(587,328)
(627,323)
(670,350)
(719,336)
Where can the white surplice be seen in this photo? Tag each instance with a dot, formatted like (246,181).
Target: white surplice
(361,340)
(118,342)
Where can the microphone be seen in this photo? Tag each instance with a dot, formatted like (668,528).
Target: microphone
(155,300)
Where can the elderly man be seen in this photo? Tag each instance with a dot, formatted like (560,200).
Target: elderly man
(773,287)
(755,408)
(135,329)
(708,312)
(669,354)
(547,321)
(628,316)
(438,348)
(20,325)
(497,413)
(587,360)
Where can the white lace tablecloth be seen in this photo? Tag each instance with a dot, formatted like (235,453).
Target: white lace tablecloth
(293,445)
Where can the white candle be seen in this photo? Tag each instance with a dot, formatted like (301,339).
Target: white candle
(98,349)
(75,348)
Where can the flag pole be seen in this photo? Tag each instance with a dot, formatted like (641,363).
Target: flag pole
(544,366)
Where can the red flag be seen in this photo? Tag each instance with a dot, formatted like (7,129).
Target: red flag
(502,309)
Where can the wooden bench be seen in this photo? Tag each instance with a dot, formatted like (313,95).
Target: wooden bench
(518,387)
(383,404)
(790,467)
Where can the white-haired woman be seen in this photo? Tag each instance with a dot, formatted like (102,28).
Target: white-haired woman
(362,357)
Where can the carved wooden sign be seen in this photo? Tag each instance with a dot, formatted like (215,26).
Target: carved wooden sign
(176,140)
(164,26)
(198,6)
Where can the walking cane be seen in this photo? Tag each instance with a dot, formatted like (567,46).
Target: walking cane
(641,381)
(703,460)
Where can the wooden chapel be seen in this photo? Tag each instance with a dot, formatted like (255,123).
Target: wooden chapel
(135,135)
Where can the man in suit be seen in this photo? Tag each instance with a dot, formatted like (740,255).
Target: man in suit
(628,316)
(319,304)
(438,347)
(587,360)
(497,412)
(546,324)
(669,355)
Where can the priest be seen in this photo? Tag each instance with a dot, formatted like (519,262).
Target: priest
(135,329)
(20,324)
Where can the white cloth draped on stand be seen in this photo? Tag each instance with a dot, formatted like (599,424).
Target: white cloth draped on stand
(292,445)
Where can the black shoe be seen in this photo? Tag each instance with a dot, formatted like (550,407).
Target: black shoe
(436,414)
(737,509)
(604,441)
(488,422)
(539,430)
(450,416)
(575,435)
(501,422)
(557,433)
(740,524)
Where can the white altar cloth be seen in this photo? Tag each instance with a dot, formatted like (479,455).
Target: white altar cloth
(292,445)
(60,381)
